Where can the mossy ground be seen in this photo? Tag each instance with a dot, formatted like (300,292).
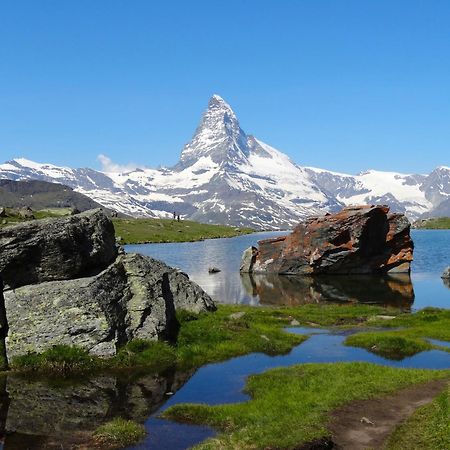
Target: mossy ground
(136,231)
(119,433)
(410,337)
(291,406)
(427,429)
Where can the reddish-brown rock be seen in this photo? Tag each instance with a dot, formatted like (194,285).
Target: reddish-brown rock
(357,240)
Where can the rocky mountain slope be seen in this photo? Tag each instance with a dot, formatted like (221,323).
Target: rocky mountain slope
(41,195)
(227,176)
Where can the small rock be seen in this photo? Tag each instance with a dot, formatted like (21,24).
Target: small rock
(366,421)
(295,323)
(263,336)
(26,213)
(169,393)
(2,212)
(446,274)
(214,270)
(385,317)
(312,324)
(374,347)
(237,315)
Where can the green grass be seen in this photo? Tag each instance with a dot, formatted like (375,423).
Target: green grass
(136,231)
(61,359)
(411,336)
(427,429)
(13,217)
(388,345)
(438,223)
(119,433)
(204,338)
(290,406)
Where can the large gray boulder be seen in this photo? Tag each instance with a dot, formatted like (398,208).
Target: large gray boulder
(135,297)
(56,249)
(67,284)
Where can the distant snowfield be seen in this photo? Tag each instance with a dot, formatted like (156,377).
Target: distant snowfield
(227,176)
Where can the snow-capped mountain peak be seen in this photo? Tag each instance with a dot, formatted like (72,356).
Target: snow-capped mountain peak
(227,176)
(218,135)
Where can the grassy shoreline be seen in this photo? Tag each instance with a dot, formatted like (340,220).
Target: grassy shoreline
(289,406)
(233,330)
(143,231)
(437,223)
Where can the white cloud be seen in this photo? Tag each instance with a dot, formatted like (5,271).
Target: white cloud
(109,166)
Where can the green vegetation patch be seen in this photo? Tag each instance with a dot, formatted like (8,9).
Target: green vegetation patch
(291,406)
(232,330)
(138,231)
(61,359)
(13,216)
(427,429)
(155,356)
(388,345)
(119,433)
(410,337)
(438,223)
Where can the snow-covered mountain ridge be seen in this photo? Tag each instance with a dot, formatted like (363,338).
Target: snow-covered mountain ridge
(227,176)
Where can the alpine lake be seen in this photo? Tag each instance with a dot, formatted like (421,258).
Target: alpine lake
(43,413)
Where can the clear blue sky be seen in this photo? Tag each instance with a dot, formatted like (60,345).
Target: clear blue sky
(343,85)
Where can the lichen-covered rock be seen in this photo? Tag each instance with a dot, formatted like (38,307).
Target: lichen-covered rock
(56,249)
(357,240)
(135,297)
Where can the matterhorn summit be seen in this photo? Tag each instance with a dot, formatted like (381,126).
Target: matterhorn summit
(218,136)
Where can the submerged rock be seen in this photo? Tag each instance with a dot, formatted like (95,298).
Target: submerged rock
(56,249)
(101,302)
(356,240)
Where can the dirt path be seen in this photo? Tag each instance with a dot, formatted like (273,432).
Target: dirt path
(386,413)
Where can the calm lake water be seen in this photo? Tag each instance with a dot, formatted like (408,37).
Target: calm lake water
(57,414)
(423,288)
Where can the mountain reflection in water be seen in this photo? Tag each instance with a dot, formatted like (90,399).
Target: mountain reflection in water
(395,290)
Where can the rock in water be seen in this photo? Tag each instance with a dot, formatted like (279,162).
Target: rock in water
(56,249)
(357,240)
(101,302)
(446,274)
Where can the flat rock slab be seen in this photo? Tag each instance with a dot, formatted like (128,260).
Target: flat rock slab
(350,432)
